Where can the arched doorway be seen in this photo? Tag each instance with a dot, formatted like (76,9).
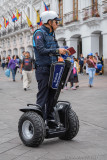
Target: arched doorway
(76,42)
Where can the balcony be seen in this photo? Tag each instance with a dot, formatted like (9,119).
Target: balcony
(93,11)
(71,17)
(104,7)
(14,29)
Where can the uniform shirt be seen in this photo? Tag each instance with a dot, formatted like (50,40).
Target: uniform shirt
(44,44)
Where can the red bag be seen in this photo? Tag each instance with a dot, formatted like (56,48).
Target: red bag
(74,71)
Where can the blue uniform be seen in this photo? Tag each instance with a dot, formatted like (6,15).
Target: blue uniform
(44,44)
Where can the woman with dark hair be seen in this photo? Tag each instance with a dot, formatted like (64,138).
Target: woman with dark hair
(12,65)
(91,61)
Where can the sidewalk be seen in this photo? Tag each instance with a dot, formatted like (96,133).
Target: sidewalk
(90,104)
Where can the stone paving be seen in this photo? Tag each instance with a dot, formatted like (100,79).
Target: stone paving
(90,104)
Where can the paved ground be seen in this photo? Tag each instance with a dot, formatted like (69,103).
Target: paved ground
(90,104)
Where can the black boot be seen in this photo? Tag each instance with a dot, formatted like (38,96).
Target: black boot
(52,124)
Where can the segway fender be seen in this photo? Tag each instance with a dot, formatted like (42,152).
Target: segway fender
(63,107)
(32,107)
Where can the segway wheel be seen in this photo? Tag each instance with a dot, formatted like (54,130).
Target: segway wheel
(73,126)
(31,129)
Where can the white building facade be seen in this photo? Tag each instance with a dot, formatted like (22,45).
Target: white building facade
(83,26)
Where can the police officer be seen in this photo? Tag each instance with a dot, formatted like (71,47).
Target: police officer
(44,44)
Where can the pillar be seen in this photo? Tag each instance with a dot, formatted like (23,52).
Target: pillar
(72,42)
(90,44)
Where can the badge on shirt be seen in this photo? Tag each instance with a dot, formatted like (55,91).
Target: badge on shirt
(38,37)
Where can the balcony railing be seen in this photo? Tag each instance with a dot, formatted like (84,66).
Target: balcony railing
(91,11)
(104,7)
(71,17)
(14,29)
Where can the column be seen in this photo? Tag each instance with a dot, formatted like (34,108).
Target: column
(73,42)
(95,43)
(90,44)
(105,52)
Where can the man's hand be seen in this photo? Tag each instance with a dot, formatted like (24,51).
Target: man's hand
(62,51)
(20,71)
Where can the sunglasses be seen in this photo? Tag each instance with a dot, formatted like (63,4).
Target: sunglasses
(56,22)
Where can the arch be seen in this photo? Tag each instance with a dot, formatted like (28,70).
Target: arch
(76,36)
(96,32)
(4,54)
(62,42)
(15,51)
(76,42)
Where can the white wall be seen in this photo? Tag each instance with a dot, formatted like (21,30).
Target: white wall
(95,43)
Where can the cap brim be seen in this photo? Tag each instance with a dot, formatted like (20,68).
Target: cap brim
(58,19)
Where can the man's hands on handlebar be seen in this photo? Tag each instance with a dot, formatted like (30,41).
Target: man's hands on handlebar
(63,51)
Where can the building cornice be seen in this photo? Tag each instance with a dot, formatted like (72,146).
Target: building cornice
(15,33)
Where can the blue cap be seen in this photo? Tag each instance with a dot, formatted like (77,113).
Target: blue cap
(90,54)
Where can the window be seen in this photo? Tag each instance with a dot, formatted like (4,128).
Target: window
(61,11)
(75,10)
(95,8)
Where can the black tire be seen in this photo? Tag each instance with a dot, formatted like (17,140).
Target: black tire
(73,126)
(31,129)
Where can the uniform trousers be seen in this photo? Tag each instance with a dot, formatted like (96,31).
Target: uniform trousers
(45,95)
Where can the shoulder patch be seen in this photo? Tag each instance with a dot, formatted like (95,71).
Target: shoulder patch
(38,37)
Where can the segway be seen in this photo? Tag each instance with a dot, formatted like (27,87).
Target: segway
(32,128)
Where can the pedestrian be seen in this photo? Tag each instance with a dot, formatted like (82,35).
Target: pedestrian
(81,63)
(6,62)
(3,63)
(44,44)
(91,61)
(21,60)
(18,64)
(76,74)
(27,66)
(9,58)
(12,65)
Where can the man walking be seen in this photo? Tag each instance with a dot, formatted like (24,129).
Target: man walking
(81,63)
(27,66)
